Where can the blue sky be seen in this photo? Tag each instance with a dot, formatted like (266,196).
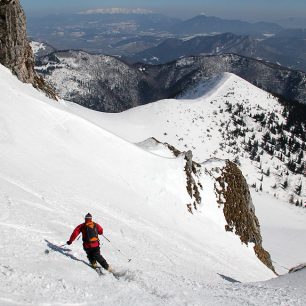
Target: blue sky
(243,9)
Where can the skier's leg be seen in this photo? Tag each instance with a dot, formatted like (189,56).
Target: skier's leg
(100,259)
(90,255)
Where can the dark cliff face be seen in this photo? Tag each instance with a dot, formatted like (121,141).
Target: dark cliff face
(235,198)
(15,50)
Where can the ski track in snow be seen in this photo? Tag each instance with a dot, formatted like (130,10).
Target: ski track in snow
(140,200)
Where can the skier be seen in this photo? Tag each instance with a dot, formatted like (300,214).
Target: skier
(90,231)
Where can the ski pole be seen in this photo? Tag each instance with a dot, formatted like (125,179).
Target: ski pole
(129,259)
(106,238)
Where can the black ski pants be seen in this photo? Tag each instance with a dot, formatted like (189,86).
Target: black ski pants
(94,254)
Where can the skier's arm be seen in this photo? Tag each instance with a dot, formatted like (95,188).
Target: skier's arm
(75,233)
(100,229)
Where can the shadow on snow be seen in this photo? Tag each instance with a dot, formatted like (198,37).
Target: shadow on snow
(64,251)
(229,279)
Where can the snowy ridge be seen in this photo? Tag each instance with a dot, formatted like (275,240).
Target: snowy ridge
(221,118)
(111,85)
(57,163)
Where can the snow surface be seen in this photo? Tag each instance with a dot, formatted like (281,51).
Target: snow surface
(56,165)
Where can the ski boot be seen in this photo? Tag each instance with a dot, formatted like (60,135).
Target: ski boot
(94,264)
(110,269)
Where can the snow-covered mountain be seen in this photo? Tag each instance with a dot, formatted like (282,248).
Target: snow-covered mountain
(58,163)
(98,82)
(177,76)
(181,232)
(257,132)
(227,117)
(108,84)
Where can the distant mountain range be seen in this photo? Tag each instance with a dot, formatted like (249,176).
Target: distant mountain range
(173,48)
(141,35)
(293,22)
(90,26)
(98,32)
(287,48)
(210,24)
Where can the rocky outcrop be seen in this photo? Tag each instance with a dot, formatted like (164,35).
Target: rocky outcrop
(192,171)
(194,187)
(15,50)
(234,195)
(232,192)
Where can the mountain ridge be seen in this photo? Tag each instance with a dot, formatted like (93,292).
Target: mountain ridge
(227,118)
(285,49)
(208,24)
(151,83)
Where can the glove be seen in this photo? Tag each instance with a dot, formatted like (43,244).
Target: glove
(68,242)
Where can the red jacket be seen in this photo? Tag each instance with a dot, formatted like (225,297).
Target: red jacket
(80,229)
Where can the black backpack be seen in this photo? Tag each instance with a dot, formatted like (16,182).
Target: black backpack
(90,232)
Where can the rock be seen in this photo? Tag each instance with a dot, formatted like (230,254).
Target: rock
(192,171)
(193,184)
(234,195)
(15,50)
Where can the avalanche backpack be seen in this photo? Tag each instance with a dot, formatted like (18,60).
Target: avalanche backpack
(90,232)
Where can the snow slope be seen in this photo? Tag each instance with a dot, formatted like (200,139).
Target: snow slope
(55,166)
(217,118)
